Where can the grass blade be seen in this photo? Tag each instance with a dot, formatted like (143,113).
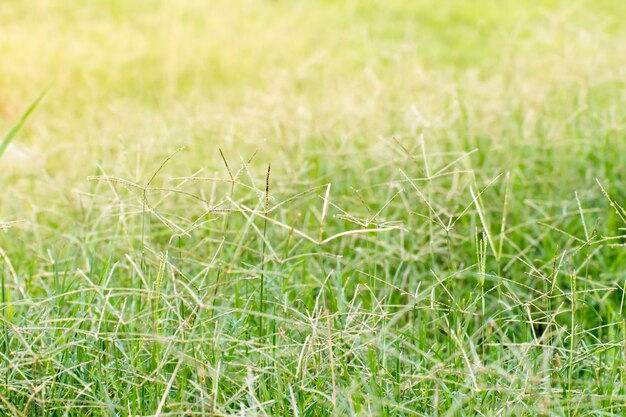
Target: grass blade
(14,131)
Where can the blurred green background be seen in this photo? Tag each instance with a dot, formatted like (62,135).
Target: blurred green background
(143,75)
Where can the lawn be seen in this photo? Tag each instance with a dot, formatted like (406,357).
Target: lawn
(312,208)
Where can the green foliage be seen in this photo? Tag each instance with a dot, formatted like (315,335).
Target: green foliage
(442,232)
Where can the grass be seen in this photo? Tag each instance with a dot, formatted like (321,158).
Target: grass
(442,231)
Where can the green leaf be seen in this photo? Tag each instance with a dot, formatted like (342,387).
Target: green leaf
(13,132)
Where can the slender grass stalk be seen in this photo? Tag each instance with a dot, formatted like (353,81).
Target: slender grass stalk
(573,342)
(262,291)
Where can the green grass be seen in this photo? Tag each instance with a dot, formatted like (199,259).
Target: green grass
(441,231)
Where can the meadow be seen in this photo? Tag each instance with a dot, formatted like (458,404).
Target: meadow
(312,208)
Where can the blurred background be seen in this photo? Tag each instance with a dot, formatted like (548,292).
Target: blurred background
(165,73)
(300,81)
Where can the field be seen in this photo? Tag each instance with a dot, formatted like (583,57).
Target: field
(312,208)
